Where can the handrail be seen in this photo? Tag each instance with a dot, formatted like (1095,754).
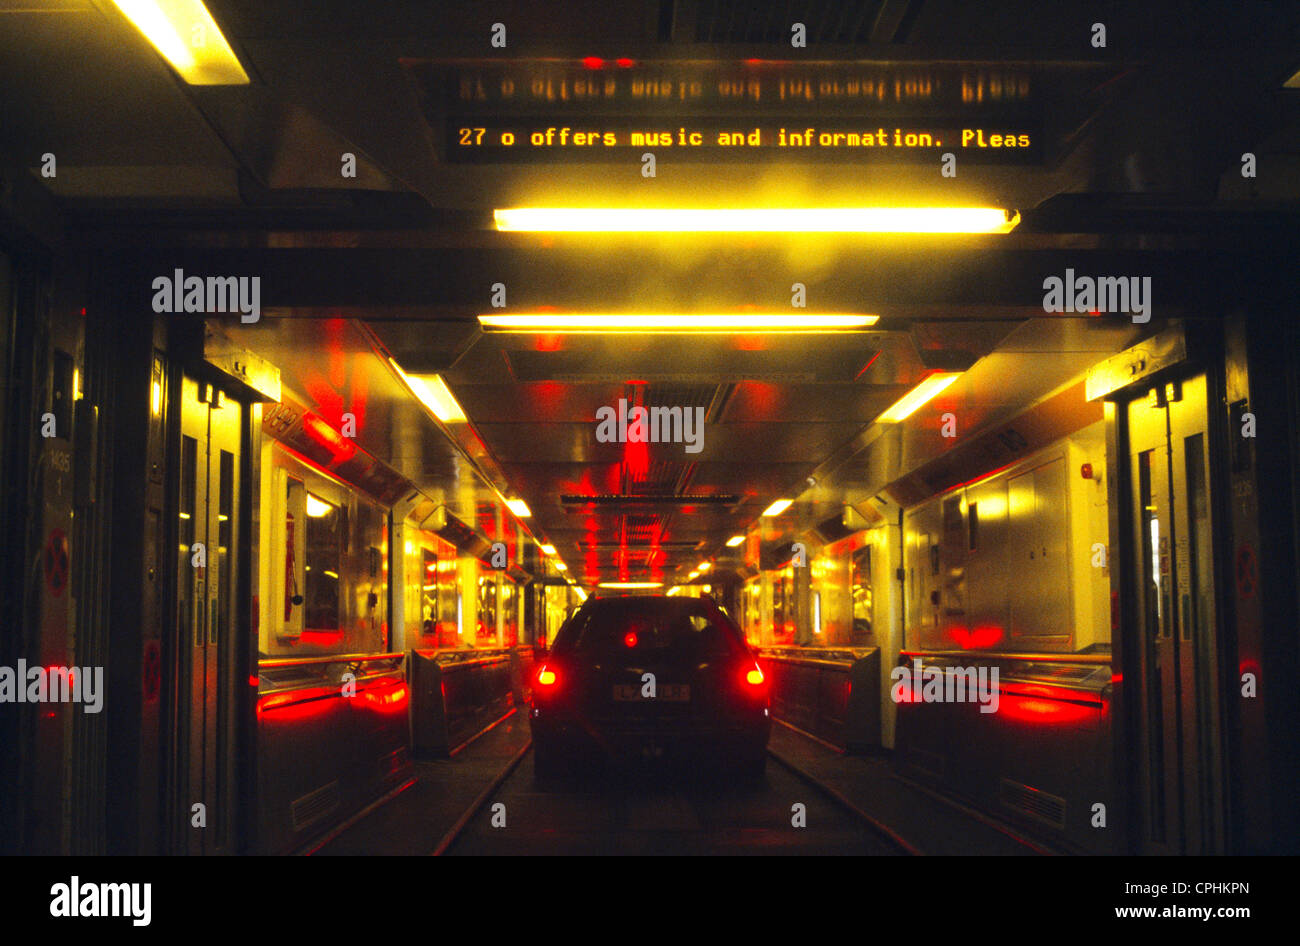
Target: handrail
(478,653)
(1097,660)
(479,662)
(276,663)
(809,661)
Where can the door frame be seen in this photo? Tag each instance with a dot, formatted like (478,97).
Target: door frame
(236,724)
(1120,380)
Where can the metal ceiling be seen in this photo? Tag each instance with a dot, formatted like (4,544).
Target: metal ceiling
(398,260)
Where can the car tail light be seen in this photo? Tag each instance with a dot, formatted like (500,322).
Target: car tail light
(630,638)
(754,677)
(546,677)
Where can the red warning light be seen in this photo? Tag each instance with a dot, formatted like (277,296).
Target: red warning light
(630,638)
(328,437)
(593,62)
(624,63)
(1086,471)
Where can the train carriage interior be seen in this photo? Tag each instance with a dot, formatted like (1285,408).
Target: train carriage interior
(354,354)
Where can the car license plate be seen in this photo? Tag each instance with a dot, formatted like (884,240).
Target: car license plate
(667,692)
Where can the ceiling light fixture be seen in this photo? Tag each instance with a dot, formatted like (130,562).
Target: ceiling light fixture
(629,585)
(735,540)
(676,324)
(434,394)
(184,33)
(757,220)
(519,508)
(777,507)
(547,549)
(928,387)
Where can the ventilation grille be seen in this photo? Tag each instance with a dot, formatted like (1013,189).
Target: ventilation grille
(658,478)
(314,806)
(613,499)
(1041,806)
(684,396)
(687,546)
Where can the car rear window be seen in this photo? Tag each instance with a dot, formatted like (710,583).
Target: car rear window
(686,626)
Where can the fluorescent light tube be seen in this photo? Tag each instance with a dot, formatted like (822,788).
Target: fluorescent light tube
(676,324)
(757,220)
(930,386)
(184,33)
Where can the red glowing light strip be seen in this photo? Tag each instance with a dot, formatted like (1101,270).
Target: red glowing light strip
(866,366)
(981,478)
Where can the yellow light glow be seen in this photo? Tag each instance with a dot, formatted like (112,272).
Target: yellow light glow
(735,540)
(628,585)
(331,574)
(434,394)
(811,323)
(757,220)
(705,566)
(778,507)
(913,399)
(582,595)
(561,567)
(547,549)
(519,508)
(185,34)
(317,508)
(155,398)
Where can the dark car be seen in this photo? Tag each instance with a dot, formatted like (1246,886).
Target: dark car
(650,678)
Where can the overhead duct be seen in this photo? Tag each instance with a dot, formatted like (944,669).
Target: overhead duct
(446,526)
(849,521)
(774,555)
